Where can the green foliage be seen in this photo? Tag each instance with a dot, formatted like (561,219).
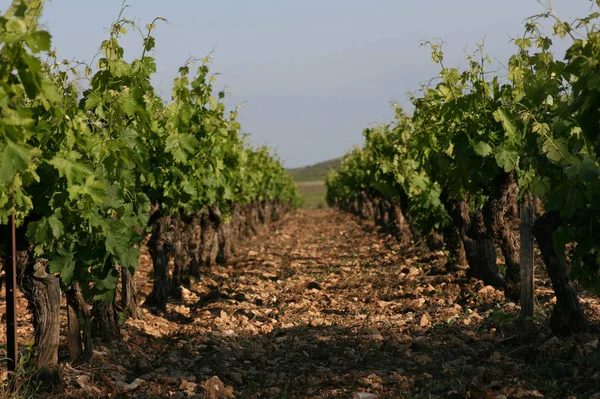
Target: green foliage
(265,179)
(86,168)
(316,172)
(540,122)
(22,81)
(26,387)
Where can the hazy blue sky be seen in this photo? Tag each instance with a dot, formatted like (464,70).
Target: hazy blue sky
(312,73)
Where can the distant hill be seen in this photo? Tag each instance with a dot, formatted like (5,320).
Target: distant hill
(316,172)
(311,182)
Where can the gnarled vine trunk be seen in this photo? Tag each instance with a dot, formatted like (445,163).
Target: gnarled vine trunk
(42,292)
(278,210)
(376,209)
(400,226)
(504,194)
(264,211)
(209,248)
(80,345)
(158,248)
(484,260)
(105,321)
(183,242)
(435,241)
(237,222)
(478,246)
(129,301)
(567,317)
(226,247)
(251,220)
(384,215)
(456,247)
(178,257)
(366,207)
(255,217)
(455,234)
(194,245)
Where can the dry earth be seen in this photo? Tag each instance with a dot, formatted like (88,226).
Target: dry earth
(321,306)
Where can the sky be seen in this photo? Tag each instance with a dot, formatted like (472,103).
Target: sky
(311,74)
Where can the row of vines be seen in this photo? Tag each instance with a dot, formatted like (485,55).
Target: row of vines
(91,173)
(478,142)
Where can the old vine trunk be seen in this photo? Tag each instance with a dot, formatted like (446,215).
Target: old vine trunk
(105,322)
(129,300)
(80,345)
(504,195)
(567,317)
(478,245)
(42,291)
(159,252)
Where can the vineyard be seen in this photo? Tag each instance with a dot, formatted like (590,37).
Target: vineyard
(156,253)
(478,144)
(87,175)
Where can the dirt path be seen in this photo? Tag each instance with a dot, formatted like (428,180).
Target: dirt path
(309,309)
(324,306)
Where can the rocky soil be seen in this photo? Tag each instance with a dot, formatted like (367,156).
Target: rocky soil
(322,305)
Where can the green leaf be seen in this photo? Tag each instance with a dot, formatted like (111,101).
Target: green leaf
(482,149)
(65,265)
(115,242)
(502,116)
(573,202)
(93,100)
(39,41)
(105,296)
(523,43)
(39,232)
(130,258)
(50,92)
(31,81)
(561,29)
(506,159)
(589,171)
(555,149)
(179,145)
(540,186)
(120,68)
(16,26)
(109,282)
(44,230)
(15,158)
(56,226)
(129,105)
(446,92)
(7,169)
(540,128)
(69,166)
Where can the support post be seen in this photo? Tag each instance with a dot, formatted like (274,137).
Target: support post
(11,297)
(527,268)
